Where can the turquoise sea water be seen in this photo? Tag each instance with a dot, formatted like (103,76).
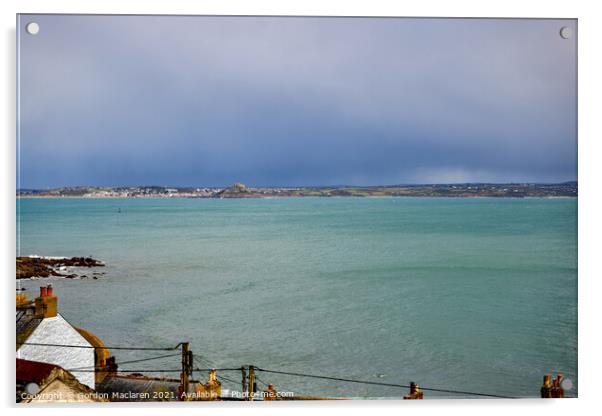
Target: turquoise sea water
(468,294)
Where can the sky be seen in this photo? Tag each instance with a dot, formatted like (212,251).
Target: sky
(293,101)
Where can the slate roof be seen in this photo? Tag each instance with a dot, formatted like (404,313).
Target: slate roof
(26,323)
(132,388)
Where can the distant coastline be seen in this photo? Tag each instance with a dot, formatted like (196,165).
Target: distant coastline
(239,190)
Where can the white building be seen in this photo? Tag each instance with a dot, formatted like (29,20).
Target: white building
(54,383)
(40,323)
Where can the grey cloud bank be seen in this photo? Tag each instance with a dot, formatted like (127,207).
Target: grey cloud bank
(207,101)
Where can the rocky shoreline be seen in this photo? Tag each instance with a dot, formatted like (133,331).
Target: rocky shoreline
(29,267)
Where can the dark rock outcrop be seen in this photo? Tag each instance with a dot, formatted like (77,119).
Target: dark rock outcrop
(28,267)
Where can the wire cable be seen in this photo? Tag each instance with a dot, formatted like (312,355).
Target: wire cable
(128,362)
(382,384)
(129,371)
(229,379)
(375,383)
(216,369)
(101,348)
(280,387)
(261,381)
(203,361)
(154,371)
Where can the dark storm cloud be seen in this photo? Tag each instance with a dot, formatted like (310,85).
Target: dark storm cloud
(294,101)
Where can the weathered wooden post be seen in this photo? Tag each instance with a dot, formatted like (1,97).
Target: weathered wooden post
(184,380)
(190,365)
(251,382)
(244,381)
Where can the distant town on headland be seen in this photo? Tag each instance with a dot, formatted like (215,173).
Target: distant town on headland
(239,190)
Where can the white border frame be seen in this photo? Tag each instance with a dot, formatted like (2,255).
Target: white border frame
(590,33)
